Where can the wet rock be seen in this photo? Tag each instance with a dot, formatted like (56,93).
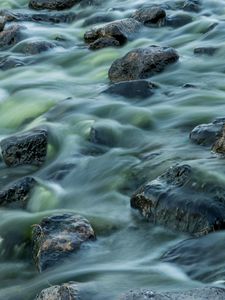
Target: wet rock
(103,43)
(104,134)
(59,171)
(66,291)
(53,4)
(10,36)
(50,17)
(57,237)
(121,31)
(35,47)
(17,194)
(192,5)
(201,259)
(189,86)
(182,200)
(208,134)
(178,20)
(205,50)
(150,15)
(99,18)
(142,63)
(205,293)
(2,23)
(7,63)
(132,89)
(27,148)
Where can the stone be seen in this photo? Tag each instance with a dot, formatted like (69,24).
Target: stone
(28,148)
(66,291)
(2,23)
(53,4)
(150,15)
(205,293)
(142,63)
(57,237)
(121,31)
(36,47)
(10,36)
(205,50)
(208,134)
(132,89)
(17,194)
(192,6)
(182,200)
(7,63)
(178,20)
(103,43)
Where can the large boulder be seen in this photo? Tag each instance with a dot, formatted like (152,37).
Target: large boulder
(57,237)
(66,291)
(53,4)
(27,148)
(205,293)
(142,63)
(112,34)
(182,200)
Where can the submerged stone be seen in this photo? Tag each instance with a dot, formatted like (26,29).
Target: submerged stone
(57,237)
(36,47)
(2,23)
(205,293)
(7,63)
(10,36)
(28,148)
(150,15)
(53,4)
(182,201)
(17,194)
(121,31)
(132,89)
(66,291)
(103,43)
(205,50)
(142,63)
(192,5)
(178,20)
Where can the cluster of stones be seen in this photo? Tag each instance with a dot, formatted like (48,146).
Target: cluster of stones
(176,199)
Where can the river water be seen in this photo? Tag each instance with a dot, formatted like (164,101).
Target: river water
(62,91)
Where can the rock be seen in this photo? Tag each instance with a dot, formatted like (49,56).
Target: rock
(182,200)
(27,148)
(59,171)
(2,23)
(150,15)
(49,17)
(98,18)
(7,63)
(201,259)
(205,293)
(66,291)
(178,20)
(57,237)
(132,89)
(142,63)
(192,5)
(208,134)
(121,31)
(205,50)
(35,47)
(16,194)
(103,43)
(10,36)
(53,4)
(189,86)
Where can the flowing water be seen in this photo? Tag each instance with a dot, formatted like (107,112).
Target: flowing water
(62,90)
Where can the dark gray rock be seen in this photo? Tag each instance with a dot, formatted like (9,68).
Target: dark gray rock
(178,20)
(35,47)
(150,15)
(202,259)
(17,194)
(66,291)
(121,31)
(53,4)
(2,23)
(189,86)
(142,63)
(57,237)
(192,6)
(205,50)
(103,43)
(205,293)
(7,63)
(27,148)
(10,36)
(49,17)
(208,134)
(182,200)
(132,89)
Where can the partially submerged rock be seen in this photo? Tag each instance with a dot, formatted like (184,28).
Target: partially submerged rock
(205,50)
(142,63)
(57,237)
(205,293)
(66,291)
(150,15)
(178,20)
(27,148)
(17,194)
(208,134)
(10,36)
(2,23)
(10,62)
(53,4)
(201,259)
(192,5)
(120,31)
(182,201)
(35,47)
(103,43)
(132,89)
